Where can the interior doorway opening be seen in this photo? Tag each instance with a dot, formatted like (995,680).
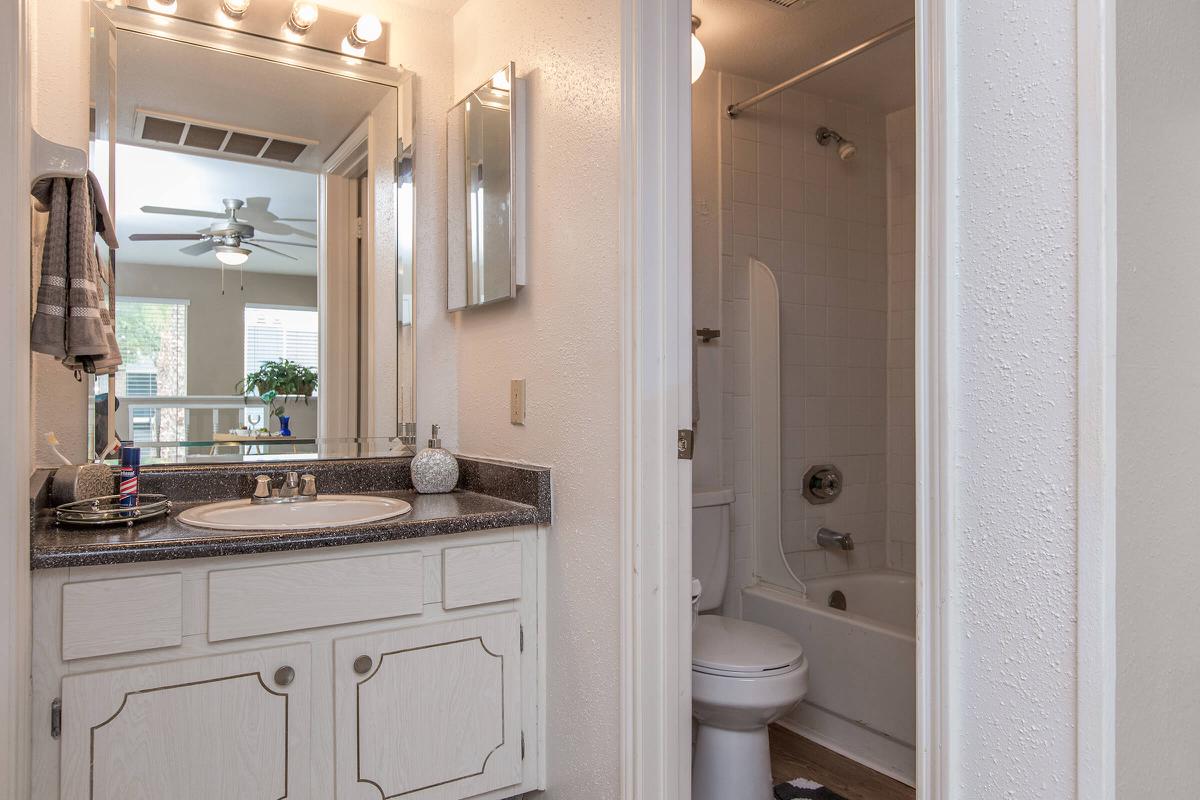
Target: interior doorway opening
(804,187)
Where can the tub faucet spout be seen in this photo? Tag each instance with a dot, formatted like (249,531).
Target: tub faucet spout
(834,539)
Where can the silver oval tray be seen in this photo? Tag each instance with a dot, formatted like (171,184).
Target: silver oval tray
(107,510)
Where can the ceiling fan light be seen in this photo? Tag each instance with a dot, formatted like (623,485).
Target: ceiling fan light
(304,16)
(367,29)
(231,256)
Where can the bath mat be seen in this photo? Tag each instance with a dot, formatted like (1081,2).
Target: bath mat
(802,788)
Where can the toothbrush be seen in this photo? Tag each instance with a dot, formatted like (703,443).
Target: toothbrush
(52,440)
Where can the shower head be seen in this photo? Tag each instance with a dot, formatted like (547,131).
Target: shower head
(846,149)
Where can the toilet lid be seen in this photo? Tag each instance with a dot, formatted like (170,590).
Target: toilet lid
(734,645)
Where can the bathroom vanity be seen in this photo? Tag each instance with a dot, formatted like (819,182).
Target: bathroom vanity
(399,658)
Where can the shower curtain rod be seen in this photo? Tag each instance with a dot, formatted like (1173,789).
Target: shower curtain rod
(891,33)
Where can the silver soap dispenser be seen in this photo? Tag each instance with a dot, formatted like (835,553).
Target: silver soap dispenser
(434,470)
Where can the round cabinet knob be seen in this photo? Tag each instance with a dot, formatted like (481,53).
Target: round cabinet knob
(363,664)
(284,676)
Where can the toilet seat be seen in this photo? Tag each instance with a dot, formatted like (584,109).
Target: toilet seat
(739,649)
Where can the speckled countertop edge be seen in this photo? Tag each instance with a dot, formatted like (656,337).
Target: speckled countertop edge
(491,494)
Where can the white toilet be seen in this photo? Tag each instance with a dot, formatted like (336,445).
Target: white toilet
(744,675)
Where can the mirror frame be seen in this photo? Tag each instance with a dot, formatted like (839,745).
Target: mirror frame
(516,188)
(282,52)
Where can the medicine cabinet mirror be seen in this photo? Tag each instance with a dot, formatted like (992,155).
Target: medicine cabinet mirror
(485,187)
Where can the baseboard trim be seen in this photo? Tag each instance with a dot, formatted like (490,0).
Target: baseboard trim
(886,756)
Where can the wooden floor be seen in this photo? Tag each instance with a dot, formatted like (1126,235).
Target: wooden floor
(793,756)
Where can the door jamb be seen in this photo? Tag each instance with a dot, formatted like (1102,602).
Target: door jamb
(656,486)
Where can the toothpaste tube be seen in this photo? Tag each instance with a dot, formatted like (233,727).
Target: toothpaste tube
(131,466)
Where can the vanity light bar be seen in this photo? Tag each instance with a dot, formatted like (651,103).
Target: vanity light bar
(298,22)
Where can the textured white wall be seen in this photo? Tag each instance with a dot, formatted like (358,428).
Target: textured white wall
(1158,383)
(562,334)
(1012,546)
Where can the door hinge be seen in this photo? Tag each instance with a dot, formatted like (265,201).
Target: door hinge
(686,443)
(522,745)
(521,630)
(358,227)
(55,717)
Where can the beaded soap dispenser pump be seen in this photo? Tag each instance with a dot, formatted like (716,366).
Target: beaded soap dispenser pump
(434,470)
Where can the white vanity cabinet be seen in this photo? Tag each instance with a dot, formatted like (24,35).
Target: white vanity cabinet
(401,669)
(226,726)
(429,713)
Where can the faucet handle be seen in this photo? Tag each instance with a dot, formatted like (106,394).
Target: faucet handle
(262,486)
(308,485)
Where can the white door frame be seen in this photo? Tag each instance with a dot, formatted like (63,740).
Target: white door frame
(656,486)
(656,268)
(15,455)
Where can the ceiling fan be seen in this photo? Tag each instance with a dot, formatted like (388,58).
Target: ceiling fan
(228,238)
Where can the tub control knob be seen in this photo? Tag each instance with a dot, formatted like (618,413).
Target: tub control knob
(822,484)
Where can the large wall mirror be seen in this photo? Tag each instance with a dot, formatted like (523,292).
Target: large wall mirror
(485,189)
(263,202)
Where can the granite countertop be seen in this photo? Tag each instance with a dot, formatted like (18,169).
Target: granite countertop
(491,494)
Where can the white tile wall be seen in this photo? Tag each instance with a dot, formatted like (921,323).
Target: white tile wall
(821,224)
(901,410)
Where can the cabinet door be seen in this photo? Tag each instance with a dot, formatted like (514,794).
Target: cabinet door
(430,712)
(230,726)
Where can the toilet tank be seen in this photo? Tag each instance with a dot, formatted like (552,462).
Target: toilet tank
(710,544)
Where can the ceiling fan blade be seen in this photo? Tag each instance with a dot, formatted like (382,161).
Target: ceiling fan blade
(248,243)
(198,249)
(182,212)
(163,237)
(290,244)
(295,219)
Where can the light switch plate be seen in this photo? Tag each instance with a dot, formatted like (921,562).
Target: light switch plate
(516,402)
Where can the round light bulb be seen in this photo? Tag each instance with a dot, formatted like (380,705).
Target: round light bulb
(698,59)
(235,8)
(163,6)
(304,15)
(367,29)
(231,256)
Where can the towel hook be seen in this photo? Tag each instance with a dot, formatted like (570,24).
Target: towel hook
(54,160)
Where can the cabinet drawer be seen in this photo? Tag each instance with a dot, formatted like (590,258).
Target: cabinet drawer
(122,615)
(482,573)
(313,594)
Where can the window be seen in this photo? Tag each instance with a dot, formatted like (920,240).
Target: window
(274,332)
(152,335)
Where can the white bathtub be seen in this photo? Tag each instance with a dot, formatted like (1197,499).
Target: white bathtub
(861,699)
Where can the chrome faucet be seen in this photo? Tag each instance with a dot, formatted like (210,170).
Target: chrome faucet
(295,488)
(834,540)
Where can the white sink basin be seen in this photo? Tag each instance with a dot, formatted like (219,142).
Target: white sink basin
(327,511)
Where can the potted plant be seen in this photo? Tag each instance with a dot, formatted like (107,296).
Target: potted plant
(274,381)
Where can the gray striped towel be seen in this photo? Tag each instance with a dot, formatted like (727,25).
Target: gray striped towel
(74,316)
